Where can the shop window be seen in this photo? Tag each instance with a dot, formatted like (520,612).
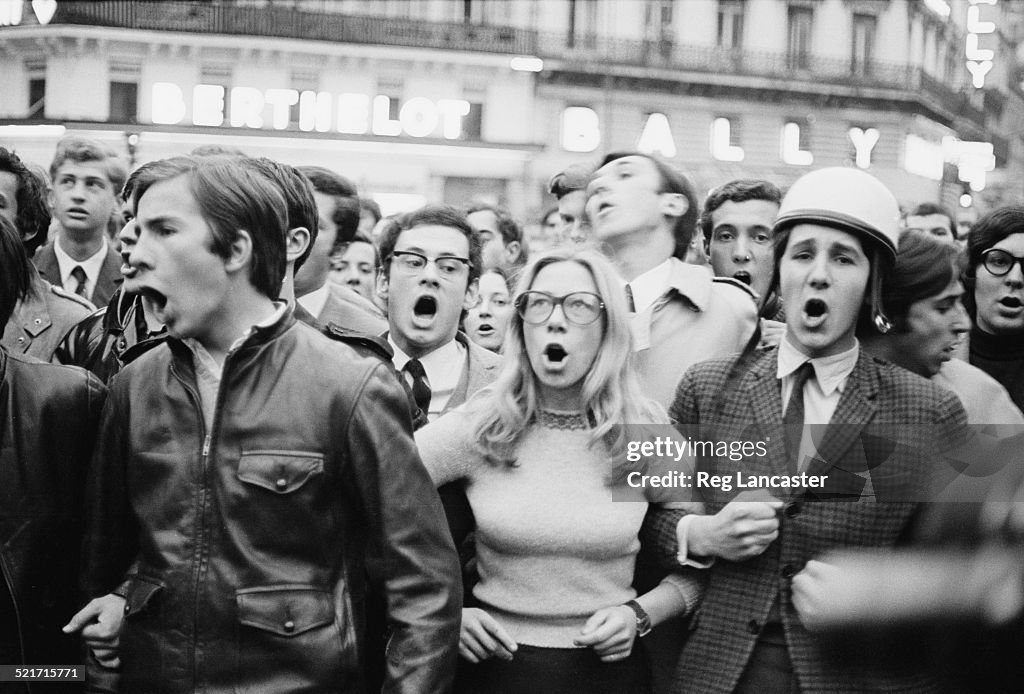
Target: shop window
(124,102)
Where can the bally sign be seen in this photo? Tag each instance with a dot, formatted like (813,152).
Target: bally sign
(353,114)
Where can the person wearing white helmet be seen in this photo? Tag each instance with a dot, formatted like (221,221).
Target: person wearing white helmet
(856,479)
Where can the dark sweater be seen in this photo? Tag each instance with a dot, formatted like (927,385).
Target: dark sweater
(1002,358)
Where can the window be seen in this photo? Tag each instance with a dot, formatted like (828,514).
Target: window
(37,97)
(730,24)
(124,102)
(800,23)
(582,24)
(863,44)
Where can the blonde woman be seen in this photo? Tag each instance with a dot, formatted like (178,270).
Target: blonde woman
(555,611)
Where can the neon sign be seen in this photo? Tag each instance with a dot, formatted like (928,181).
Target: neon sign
(351,114)
(979,60)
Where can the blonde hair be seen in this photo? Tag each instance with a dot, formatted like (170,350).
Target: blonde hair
(611,390)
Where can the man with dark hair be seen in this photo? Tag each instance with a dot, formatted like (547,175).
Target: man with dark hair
(570,190)
(86,180)
(232,506)
(737,222)
(932,219)
(45,312)
(502,238)
(50,416)
(430,265)
(336,209)
(645,213)
(857,439)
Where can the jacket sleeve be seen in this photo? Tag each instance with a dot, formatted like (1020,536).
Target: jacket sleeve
(110,544)
(408,530)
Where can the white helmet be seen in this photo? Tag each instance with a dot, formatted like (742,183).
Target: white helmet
(847,199)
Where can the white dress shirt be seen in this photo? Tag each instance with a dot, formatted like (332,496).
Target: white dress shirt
(443,367)
(91,265)
(650,286)
(315,301)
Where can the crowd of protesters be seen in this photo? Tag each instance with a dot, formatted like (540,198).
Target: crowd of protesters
(211,480)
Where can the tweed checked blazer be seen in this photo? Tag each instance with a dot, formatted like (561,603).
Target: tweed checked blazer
(889,423)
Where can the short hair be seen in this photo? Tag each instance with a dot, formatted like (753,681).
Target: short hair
(81,150)
(924,267)
(508,227)
(370,205)
(987,232)
(346,201)
(231,198)
(570,180)
(431,215)
(360,237)
(672,181)
(16,279)
(740,190)
(927,208)
(33,218)
(298,197)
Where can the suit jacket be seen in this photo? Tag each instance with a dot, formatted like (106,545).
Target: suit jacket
(42,319)
(482,367)
(352,312)
(889,424)
(106,283)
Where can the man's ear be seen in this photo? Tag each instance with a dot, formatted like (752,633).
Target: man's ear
(382,284)
(674,204)
(472,295)
(512,251)
(240,253)
(297,241)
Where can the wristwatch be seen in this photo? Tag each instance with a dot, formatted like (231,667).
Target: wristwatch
(643,620)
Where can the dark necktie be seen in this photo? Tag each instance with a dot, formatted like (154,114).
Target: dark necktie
(78,272)
(793,420)
(630,304)
(420,388)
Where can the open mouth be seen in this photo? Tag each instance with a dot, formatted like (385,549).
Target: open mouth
(1011,302)
(743,276)
(425,307)
(815,308)
(485,329)
(155,298)
(555,353)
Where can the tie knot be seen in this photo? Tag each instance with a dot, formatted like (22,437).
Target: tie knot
(802,375)
(415,368)
(78,272)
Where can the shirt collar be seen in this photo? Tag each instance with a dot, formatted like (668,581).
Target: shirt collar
(315,301)
(649,286)
(90,265)
(436,362)
(831,372)
(203,358)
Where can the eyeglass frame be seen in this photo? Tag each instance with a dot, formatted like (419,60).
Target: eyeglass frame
(412,272)
(556,301)
(1017,260)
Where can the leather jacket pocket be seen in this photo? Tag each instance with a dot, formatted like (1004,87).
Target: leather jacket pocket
(140,594)
(281,472)
(285,610)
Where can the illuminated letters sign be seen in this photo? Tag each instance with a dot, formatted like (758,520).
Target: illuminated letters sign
(791,152)
(11,11)
(979,60)
(864,141)
(354,114)
(721,134)
(657,136)
(581,131)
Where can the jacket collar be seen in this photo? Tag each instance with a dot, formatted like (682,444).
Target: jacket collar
(692,282)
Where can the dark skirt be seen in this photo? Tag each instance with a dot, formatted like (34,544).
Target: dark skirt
(536,670)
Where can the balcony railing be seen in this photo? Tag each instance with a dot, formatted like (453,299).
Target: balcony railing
(587,52)
(217,18)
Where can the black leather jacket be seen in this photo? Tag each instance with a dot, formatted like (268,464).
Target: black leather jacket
(245,545)
(50,416)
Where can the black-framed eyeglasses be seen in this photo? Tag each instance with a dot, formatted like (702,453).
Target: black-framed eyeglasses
(581,308)
(999,262)
(413,263)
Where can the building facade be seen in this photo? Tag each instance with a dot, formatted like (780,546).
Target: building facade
(453,100)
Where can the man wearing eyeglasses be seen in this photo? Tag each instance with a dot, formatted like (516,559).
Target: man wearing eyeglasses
(429,274)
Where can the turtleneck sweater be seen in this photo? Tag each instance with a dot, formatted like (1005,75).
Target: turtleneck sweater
(1002,358)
